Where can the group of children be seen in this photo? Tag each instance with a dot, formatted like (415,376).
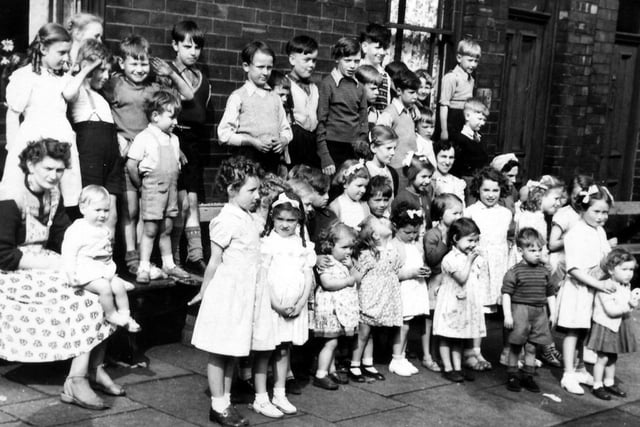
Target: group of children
(361,221)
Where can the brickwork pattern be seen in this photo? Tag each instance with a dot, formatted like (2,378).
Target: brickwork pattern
(229,25)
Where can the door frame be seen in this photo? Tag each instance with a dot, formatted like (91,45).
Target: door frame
(548,22)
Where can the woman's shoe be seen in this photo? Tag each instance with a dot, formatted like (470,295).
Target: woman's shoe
(371,372)
(104,383)
(601,393)
(72,388)
(570,383)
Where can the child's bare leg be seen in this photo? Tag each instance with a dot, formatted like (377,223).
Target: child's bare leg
(359,347)
(429,343)
(130,220)
(281,371)
(569,350)
(149,233)
(400,341)
(514,356)
(530,356)
(325,357)
(610,370)
(456,354)
(599,369)
(260,366)
(102,288)
(113,215)
(164,243)
(120,294)
(445,354)
(219,371)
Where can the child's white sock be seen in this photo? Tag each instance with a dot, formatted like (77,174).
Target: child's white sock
(218,404)
(368,362)
(321,373)
(167,261)
(227,399)
(597,384)
(608,382)
(262,398)
(279,392)
(355,368)
(144,265)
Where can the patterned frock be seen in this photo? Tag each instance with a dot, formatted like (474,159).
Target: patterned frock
(458,312)
(42,317)
(335,312)
(494,223)
(379,292)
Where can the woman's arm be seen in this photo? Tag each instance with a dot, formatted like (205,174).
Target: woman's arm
(586,279)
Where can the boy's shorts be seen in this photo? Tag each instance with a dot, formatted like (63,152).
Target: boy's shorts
(159,199)
(530,323)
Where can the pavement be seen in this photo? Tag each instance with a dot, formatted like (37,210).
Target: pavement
(172,392)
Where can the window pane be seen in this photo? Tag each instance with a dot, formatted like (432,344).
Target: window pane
(417,12)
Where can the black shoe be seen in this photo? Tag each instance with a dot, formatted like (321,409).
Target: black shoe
(367,372)
(234,411)
(292,386)
(325,383)
(453,376)
(338,378)
(529,384)
(601,393)
(195,267)
(513,383)
(225,418)
(356,378)
(615,390)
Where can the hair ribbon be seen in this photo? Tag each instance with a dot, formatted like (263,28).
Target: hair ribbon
(282,199)
(354,168)
(531,184)
(414,213)
(406,162)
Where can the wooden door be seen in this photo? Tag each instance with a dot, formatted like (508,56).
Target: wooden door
(524,89)
(622,134)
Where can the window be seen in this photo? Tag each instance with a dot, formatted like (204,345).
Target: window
(421,31)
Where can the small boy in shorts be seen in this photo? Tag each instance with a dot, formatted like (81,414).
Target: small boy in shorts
(526,291)
(126,93)
(153,166)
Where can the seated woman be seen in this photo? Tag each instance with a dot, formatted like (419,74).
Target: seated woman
(42,318)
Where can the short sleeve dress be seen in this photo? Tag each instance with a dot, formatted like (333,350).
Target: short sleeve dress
(38,97)
(335,312)
(287,261)
(585,246)
(379,292)
(565,218)
(494,223)
(351,213)
(226,317)
(42,317)
(459,312)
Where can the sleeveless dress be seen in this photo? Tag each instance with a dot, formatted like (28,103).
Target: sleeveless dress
(42,317)
(335,312)
(414,292)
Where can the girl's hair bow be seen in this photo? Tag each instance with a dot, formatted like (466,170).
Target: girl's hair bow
(406,162)
(531,184)
(414,213)
(283,198)
(354,167)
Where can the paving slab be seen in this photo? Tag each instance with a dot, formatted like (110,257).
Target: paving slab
(6,418)
(12,392)
(139,418)
(13,424)
(182,356)
(612,417)
(346,402)
(394,384)
(50,411)
(466,406)
(301,421)
(633,408)
(406,416)
(156,370)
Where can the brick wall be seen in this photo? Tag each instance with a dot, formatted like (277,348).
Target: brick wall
(229,25)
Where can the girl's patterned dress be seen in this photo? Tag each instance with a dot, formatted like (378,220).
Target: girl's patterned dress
(379,292)
(494,223)
(458,312)
(335,312)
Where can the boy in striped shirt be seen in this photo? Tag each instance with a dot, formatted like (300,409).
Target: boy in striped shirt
(526,290)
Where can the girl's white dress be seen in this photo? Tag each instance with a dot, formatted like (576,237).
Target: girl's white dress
(585,246)
(494,223)
(414,292)
(459,311)
(565,218)
(285,261)
(350,212)
(225,320)
(448,184)
(38,97)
